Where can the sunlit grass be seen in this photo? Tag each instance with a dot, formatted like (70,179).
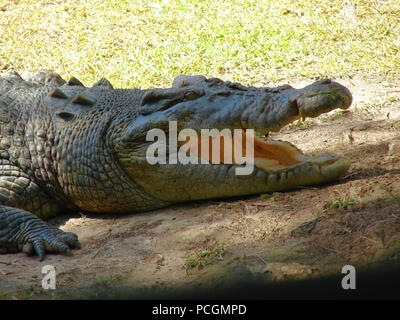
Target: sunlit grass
(146,43)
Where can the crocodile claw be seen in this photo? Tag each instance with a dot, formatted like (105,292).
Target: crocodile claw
(22,231)
(51,240)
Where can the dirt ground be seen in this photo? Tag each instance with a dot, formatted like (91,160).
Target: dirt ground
(302,234)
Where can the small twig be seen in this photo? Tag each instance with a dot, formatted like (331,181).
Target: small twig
(329,249)
(95,254)
(369,239)
(259,257)
(379,221)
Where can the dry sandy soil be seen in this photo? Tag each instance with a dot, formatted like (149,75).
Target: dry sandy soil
(206,246)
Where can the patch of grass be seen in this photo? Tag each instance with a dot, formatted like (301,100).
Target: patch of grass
(146,43)
(190,262)
(276,196)
(212,253)
(103,282)
(300,123)
(343,204)
(338,115)
(109,281)
(3,295)
(380,103)
(28,292)
(106,287)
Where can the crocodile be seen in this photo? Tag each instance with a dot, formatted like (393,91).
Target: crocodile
(66,147)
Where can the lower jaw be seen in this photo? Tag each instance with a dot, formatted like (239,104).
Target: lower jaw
(315,171)
(286,166)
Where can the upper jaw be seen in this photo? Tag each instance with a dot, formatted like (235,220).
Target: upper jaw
(258,109)
(261,109)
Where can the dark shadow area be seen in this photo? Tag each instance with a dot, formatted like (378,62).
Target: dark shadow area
(375,282)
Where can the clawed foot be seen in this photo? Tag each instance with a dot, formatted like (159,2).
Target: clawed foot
(51,240)
(22,231)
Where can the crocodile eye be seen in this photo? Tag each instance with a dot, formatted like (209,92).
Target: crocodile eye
(191,95)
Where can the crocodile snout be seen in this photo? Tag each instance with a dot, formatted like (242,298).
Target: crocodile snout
(323,96)
(347,98)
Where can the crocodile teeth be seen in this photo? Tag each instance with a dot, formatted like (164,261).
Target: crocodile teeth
(103,82)
(57,93)
(81,99)
(74,82)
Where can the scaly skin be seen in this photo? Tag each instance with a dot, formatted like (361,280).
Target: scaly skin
(67,147)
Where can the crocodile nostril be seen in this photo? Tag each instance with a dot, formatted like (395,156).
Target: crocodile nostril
(325,80)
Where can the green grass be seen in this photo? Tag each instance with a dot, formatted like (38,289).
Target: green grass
(191,262)
(343,204)
(213,253)
(146,43)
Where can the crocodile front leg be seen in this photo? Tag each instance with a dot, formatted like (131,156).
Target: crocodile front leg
(21,230)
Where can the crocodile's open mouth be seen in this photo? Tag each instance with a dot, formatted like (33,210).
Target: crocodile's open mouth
(265,154)
(273,156)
